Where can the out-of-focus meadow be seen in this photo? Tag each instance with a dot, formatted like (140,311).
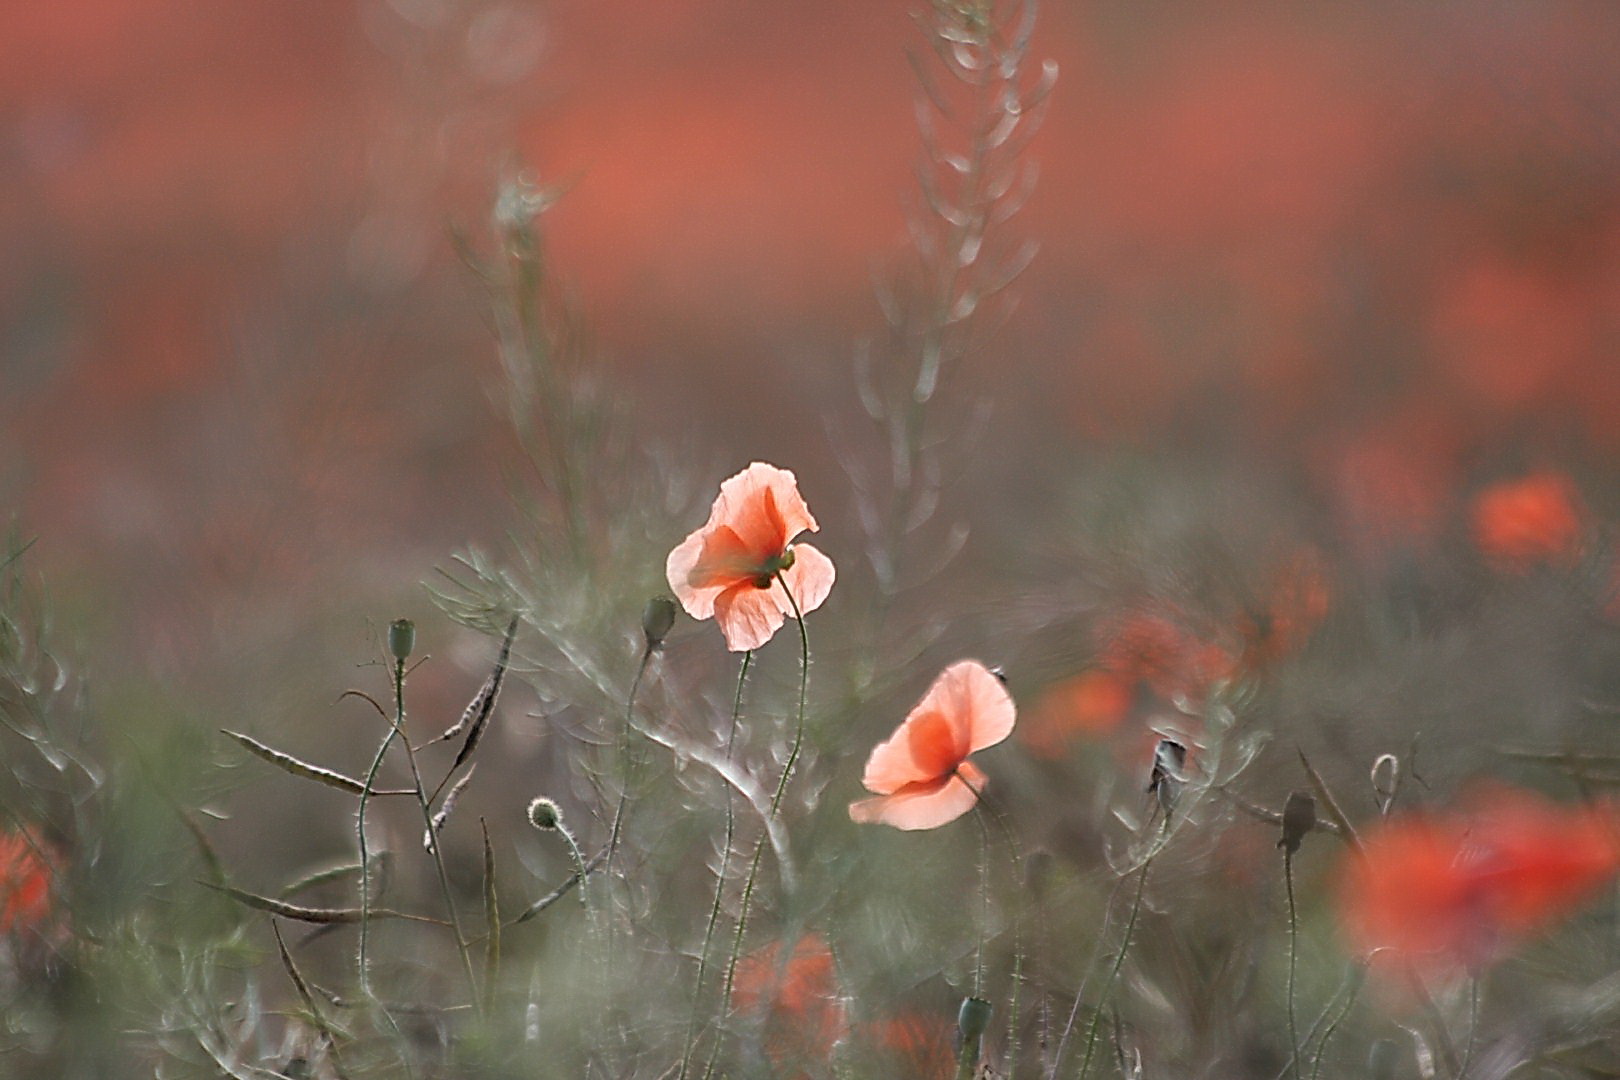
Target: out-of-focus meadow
(1241,382)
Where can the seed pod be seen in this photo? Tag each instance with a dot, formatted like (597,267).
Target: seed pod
(401,639)
(1166,780)
(1299,817)
(656,620)
(544,814)
(972,1018)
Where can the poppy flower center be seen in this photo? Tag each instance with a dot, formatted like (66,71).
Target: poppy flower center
(773,566)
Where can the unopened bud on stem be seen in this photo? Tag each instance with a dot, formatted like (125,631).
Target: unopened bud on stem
(401,639)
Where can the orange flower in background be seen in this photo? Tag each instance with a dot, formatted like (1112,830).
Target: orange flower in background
(1159,650)
(25,884)
(797,996)
(923,1042)
(740,566)
(1460,888)
(1092,703)
(1535,520)
(1299,599)
(921,773)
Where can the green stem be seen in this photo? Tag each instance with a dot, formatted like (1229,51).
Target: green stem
(434,847)
(984,899)
(720,879)
(1349,1003)
(776,806)
(1113,972)
(1293,957)
(1473,1025)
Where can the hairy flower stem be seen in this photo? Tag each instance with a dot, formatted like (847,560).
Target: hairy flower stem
(624,753)
(1293,959)
(776,806)
(1015,856)
(433,848)
(720,878)
(984,902)
(1442,1034)
(1473,1025)
(1113,972)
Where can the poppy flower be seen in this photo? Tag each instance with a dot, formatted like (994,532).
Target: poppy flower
(1093,703)
(921,773)
(1163,653)
(25,884)
(741,565)
(1536,519)
(798,998)
(1461,887)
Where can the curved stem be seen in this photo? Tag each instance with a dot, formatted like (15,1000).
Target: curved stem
(1293,959)
(1327,1034)
(776,806)
(1473,1025)
(432,836)
(360,830)
(1113,972)
(804,686)
(720,878)
(624,752)
(984,900)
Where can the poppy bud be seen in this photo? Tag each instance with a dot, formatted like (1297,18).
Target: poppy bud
(1166,780)
(545,814)
(1299,817)
(656,620)
(972,1018)
(401,639)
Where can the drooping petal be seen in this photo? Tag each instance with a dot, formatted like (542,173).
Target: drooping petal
(925,805)
(748,616)
(924,748)
(810,579)
(724,561)
(768,521)
(698,602)
(976,703)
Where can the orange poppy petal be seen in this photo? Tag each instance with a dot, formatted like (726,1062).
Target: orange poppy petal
(976,702)
(923,806)
(891,765)
(810,578)
(725,560)
(743,504)
(748,616)
(698,602)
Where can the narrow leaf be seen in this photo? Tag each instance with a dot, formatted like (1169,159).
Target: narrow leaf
(1347,832)
(482,706)
(316,1016)
(302,768)
(492,922)
(299,913)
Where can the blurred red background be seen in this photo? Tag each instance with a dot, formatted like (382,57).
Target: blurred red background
(1376,243)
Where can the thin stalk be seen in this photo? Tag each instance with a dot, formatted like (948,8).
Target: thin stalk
(1473,1025)
(984,901)
(626,771)
(1442,1034)
(1321,1047)
(1293,958)
(434,847)
(776,806)
(720,878)
(1015,856)
(365,857)
(1113,972)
